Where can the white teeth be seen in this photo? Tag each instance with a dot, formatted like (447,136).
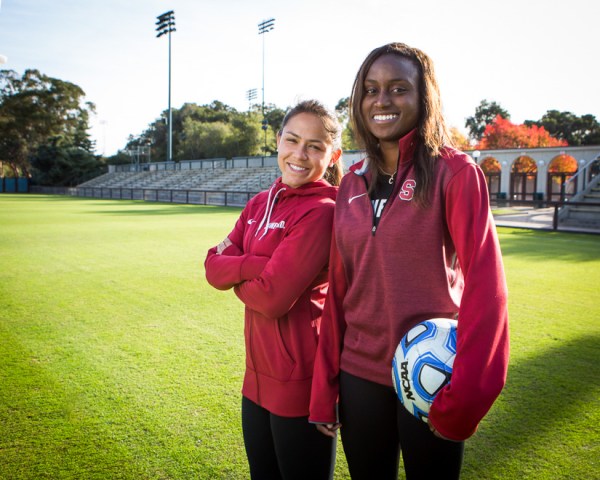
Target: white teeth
(384,117)
(296,168)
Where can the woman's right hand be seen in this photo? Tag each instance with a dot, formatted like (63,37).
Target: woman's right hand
(328,429)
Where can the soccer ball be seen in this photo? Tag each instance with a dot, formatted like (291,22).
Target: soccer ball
(422,364)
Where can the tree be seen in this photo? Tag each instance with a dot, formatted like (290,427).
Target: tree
(501,133)
(584,130)
(459,140)
(274,116)
(57,164)
(247,128)
(34,110)
(119,158)
(343,113)
(563,163)
(211,131)
(485,114)
(206,139)
(343,109)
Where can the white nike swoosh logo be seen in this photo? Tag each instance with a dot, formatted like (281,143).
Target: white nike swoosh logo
(251,221)
(355,197)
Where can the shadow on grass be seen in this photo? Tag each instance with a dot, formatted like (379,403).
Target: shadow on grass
(167,209)
(543,408)
(142,208)
(543,245)
(116,206)
(31,197)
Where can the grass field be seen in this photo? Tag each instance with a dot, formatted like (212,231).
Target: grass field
(118,361)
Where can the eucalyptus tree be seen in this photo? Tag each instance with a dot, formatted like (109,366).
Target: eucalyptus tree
(38,110)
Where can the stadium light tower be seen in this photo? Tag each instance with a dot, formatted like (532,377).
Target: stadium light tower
(264,27)
(250,95)
(166,25)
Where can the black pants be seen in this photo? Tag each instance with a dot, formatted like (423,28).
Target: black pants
(285,448)
(376,427)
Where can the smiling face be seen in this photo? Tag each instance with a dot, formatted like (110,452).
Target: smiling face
(390,104)
(304,150)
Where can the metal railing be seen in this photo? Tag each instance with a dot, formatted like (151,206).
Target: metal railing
(167,195)
(204,164)
(241,198)
(581,171)
(557,206)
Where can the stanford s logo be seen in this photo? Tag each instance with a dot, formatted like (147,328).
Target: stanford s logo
(408,190)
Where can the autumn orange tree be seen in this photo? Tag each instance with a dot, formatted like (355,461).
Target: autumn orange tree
(459,140)
(502,133)
(563,163)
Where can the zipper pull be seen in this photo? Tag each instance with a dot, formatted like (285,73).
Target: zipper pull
(373,230)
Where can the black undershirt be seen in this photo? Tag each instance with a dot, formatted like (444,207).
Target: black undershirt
(380,195)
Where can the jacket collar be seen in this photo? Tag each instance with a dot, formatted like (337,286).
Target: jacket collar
(406,149)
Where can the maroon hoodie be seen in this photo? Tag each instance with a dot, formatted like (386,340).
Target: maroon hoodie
(277,265)
(418,263)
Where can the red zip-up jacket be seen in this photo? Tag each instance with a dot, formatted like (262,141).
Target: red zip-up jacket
(443,260)
(277,265)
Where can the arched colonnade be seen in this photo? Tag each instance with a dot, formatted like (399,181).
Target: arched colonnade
(549,174)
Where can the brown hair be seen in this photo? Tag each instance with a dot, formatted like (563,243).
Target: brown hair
(431,126)
(334,173)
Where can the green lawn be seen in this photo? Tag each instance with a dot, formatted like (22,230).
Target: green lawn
(118,361)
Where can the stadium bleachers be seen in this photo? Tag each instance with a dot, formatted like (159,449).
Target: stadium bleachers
(251,179)
(218,181)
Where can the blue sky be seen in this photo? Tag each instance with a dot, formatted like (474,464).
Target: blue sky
(529,56)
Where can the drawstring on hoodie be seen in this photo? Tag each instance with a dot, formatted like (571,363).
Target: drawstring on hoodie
(268,211)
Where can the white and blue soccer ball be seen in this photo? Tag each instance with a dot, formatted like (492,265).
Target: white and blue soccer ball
(422,364)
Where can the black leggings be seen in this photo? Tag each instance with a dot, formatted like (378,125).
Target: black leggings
(285,448)
(376,426)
